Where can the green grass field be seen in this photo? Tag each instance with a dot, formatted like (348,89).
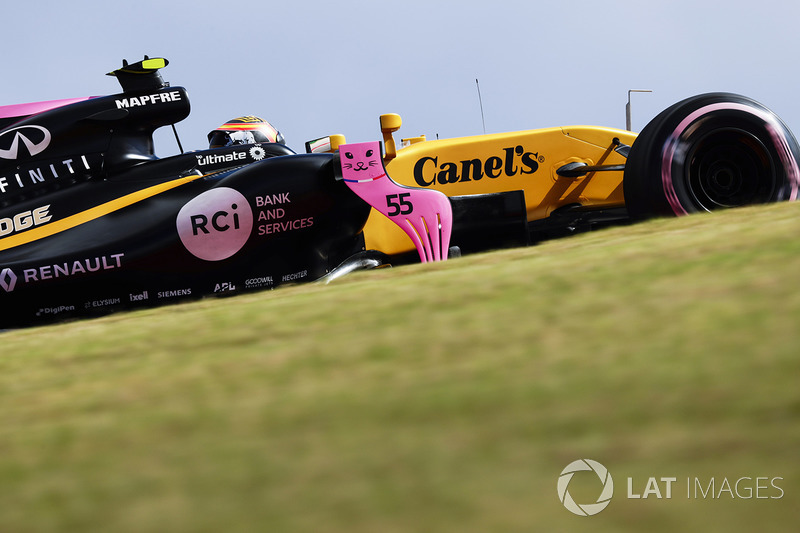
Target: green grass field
(430,398)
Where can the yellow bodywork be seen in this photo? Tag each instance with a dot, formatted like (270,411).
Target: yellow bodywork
(524,160)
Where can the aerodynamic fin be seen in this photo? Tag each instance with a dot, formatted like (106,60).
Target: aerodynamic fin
(425,215)
(141,76)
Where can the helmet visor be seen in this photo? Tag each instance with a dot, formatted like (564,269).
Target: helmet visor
(220,139)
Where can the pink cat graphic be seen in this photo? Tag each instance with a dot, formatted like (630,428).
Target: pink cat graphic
(424,214)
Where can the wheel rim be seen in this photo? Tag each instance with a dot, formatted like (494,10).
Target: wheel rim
(730,168)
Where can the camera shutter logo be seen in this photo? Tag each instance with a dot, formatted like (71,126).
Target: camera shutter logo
(587,509)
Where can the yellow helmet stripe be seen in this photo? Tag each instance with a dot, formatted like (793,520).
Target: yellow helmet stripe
(94,213)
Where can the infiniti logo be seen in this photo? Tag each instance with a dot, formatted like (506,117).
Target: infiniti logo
(23,134)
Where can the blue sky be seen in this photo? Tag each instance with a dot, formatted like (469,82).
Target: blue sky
(315,68)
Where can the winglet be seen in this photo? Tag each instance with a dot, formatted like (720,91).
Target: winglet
(425,215)
(141,76)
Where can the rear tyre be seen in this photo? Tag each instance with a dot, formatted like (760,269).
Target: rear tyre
(708,152)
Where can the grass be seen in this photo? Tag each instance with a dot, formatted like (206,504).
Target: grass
(440,398)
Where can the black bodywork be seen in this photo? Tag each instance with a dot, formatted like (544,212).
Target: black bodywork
(91,218)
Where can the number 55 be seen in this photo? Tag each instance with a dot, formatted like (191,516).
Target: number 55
(399,204)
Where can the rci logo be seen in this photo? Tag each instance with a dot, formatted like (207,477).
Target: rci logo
(588,509)
(216,224)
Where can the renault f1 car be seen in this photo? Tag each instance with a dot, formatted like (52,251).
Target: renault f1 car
(92,222)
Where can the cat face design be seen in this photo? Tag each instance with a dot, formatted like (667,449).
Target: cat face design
(362,161)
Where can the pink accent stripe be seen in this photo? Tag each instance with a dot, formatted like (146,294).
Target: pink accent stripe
(22,110)
(773,127)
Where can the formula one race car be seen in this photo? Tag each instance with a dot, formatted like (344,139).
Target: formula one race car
(91,221)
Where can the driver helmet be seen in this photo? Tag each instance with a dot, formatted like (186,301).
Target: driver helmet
(244,130)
